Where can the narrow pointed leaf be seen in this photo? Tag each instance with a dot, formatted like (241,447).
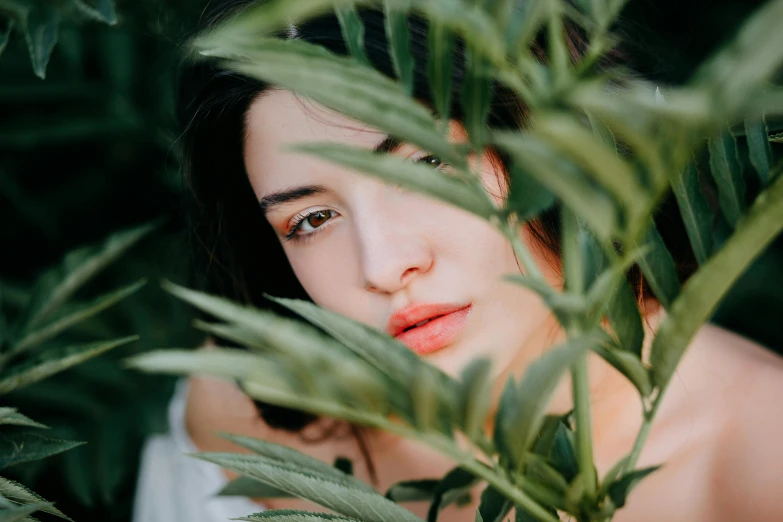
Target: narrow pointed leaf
(562,453)
(248,487)
(79,266)
(292,515)
(475,397)
(29,446)
(17,419)
(100,10)
(338,497)
(397,33)
(630,365)
(455,483)
(352,28)
(658,267)
(439,66)
(699,298)
(395,170)
(620,489)
(20,513)
(41,32)
(758,148)
(493,506)
(611,476)
(54,361)
(476,96)
(726,170)
(44,333)
(341,84)
(413,490)
(528,198)
(625,319)
(18,493)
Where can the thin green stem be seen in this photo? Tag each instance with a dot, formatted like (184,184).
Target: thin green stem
(584,435)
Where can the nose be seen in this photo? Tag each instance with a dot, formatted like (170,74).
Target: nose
(394,250)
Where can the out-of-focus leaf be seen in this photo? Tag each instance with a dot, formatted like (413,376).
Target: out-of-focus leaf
(699,298)
(79,266)
(54,361)
(475,396)
(658,267)
(248,487)
(527,197)
(758,148)
(6,28)
(20,513)
(397,171)
(18,493)
(493,506)
(399,41)
(100,10)
(29,446)
(41,31)
(625,319)
(353,31)
(455,483)
(44,333)
(620,489)
(476,96)
(439,65)
(292,515)
(17,419)
(630,365)
(413,490)
(562,453)
(727,172)
(341,84)
(324,490)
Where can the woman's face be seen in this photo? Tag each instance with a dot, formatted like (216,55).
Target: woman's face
(389,257)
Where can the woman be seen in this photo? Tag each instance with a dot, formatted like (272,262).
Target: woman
(430,274)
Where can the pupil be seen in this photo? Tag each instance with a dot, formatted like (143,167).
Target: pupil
(433,161)
(316,219)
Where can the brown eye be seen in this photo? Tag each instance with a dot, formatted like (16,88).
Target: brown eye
(316,219)
(430,161)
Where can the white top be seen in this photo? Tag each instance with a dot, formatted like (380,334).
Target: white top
(173,487)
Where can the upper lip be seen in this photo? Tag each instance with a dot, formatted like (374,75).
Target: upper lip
(417,312)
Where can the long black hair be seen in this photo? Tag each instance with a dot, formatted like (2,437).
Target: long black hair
(236,252)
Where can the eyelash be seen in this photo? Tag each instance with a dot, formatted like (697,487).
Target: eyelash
(299,219)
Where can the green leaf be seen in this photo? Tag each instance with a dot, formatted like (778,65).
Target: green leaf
(699,298)
(292,515)
(50,330)
(611,476)
(523,409)
(476,96)
(475,396)
(10,416)
(625,319)
(54,361)
(41,32)
(493,506)
(20,513)
(352,28)
(758,148)
(5,33)
(439,66)
(727,172)
(564,305)
(79,266)
(29,446)
(630,365)
(248,487)
(562,454)
(325,491)
(413,490)
(620,489)
(341,84)
(18,493)
(564,179)
(658,265)
(396,24)
(455,483)
(527,197)
(100,10)
(282,453)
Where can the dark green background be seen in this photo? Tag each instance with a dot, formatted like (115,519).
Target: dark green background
(92,149)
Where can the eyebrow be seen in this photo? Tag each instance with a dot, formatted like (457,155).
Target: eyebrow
(389,145)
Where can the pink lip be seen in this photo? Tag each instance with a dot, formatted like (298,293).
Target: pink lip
(446,322)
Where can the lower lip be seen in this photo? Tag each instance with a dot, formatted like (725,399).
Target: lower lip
(437,333)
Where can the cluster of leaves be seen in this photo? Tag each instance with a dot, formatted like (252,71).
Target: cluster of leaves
(30,352)
(604,147)
(39,22)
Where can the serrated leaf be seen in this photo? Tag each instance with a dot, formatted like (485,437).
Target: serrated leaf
(396,24)
(41,30)
(620,489)
(527,197)
(699,298)
(397,171)
(57,326)
(29,446)
(493,506)
(100,10)
(248,487)
(19,513)
(17,419)
(520,422)
(658,267)
(413,490)
(727,172)
(758,148)
(340,84)
(79,266)
(292,515)
(18,493)
(455,483)
(54,361)
(475,396)
(352,28)
(323,490)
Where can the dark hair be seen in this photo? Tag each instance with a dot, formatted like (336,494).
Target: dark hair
(237,253)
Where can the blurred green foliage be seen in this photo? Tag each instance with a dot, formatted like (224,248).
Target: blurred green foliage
(92,149)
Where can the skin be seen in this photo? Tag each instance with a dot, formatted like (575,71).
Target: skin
(383,248)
